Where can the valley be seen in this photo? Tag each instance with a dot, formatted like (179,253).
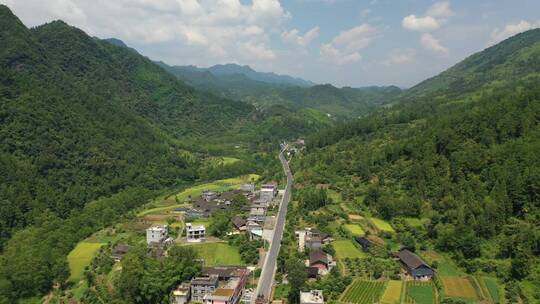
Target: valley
(129,180)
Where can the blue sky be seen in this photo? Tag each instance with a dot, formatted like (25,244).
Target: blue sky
(343,42)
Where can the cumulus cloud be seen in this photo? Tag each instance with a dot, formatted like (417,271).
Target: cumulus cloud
(440,10)
(430,43)
(400,57)
(512,29)
(293,36)
(210,30)
(345,47)
(420,24)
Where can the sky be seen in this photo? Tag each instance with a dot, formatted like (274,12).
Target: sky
(343,42)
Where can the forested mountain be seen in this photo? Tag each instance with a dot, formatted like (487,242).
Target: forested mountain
(460,150)
(343,103)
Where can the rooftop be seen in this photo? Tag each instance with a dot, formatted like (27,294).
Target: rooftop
(410,259)
(312,296)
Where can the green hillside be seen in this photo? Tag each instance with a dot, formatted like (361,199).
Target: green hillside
(460,149)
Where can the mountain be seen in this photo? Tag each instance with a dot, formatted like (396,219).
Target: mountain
(343,103)
(458,151)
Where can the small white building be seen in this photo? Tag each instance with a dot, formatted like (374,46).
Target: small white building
(268,192)
(156,234)
(312,297)
(195,233)
(181,294)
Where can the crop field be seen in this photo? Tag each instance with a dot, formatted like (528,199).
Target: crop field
(493,289)
(218,254)
(381,225)
(355,229)
(80,257)
(355,217)
(420,293)
(392,294)
(346,249)
(363,292)
(459,287)
(446,267)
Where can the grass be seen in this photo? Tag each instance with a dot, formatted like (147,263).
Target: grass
(355,229)
(335,196)
(80,257)
(381,225)
(215,254)
(363,292)
(282,291)
(347,249)
(493,289)
(459,287)
(415,222)
(32,300)
(420,293)
(445,266)
(159,210)
(392,294)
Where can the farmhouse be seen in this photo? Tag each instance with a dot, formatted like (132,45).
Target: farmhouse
(312,297)
(223,285)
(119,251)
(269,191)
(239,224)
(202,286)
(156,234)
(363,242)
(322,261)
(195,233)
(414,266)
(181,294)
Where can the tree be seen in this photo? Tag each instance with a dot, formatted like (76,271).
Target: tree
(297,276)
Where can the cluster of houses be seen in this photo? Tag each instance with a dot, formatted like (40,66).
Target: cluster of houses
(319,263)
(215,285)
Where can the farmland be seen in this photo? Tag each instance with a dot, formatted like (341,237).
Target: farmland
(459,287)
(355,229)
(347,249)
(392,294)
(80,257)
(363,292)
(218,254)
(381,225)
(420,293)
(492,288)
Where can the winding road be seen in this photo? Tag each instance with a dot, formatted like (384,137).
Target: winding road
(264,288)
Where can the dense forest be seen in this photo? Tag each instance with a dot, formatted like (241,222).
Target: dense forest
(461,153)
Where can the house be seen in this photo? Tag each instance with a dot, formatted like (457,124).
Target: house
(202,286)
(314,239)
(414,266)
(196,213)
(268,191)
(312,297)
(119,251)
(209,195)
(231,283)
(250,188)
(247,296)
(156,234)
(181,294)
(239,224)
(322,261)
(363,242)
(254,229)
(195,233)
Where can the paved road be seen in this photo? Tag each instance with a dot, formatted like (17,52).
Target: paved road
(264,288)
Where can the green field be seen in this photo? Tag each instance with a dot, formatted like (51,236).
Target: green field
(392,294)
(218,254)
(493,289)
(159,210)
(415,222)
(381,225)
(80,257)
(355,229)
(363,292)
(347,249)
(420,293)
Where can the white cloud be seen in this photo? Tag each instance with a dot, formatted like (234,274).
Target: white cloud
(294,36)
(430,43)
(440,10)
(512,29)
(400,57)
(420,24)
(345,47)
(206,30)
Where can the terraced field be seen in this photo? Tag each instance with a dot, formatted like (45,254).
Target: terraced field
(392,294)
(363,292)
(355,229)
(459,287)
(80,257)
(382,225)
(347,249)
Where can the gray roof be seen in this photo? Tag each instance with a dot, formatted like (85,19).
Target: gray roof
(410,259)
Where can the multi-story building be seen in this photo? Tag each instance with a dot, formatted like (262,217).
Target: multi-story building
(156,234)
(202,286)
(268,192)
(181,294)
(195,233)
(312,297)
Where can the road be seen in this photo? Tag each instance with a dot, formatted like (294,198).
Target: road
(264,288)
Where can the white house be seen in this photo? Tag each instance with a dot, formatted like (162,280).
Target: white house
(195,233)
(312,297)
(156,234)
(268,192)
